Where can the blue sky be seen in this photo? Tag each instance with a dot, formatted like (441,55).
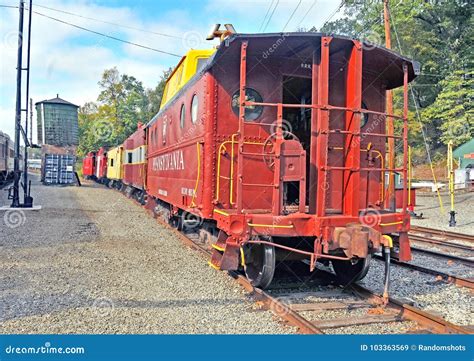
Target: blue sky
(69,61)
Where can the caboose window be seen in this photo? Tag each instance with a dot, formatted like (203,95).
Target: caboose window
(182,116)
(130,157)
(251,112)
(365,116)
(194,108)
(201,62)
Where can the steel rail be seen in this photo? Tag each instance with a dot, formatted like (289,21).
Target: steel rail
(458,281)
(426,319)
(467,261)
(294,318)
(423,239)
(439,232)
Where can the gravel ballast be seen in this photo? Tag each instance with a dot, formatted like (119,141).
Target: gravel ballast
(424,291)
(428,205)
(93,261)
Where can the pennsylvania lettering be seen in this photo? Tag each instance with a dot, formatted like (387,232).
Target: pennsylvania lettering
(169,161)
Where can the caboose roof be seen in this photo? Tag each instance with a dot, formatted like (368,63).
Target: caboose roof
(384,62)
(378,58)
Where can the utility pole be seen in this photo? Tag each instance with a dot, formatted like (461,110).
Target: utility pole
(31,121)
(16,163)
(389,120)
(15,197)
(27,200)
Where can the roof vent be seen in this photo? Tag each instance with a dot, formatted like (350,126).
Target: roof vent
(222,34)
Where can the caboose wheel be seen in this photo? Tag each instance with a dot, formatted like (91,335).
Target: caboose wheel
(348,273)
(259,264)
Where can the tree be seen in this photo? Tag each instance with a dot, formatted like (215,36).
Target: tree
(155,95)
(438,34)
(122,103)
(452,111)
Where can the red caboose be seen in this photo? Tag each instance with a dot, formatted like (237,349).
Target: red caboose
(278,145)
(134,162)
(88,165)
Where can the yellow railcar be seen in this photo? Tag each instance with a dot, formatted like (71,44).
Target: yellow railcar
(190,64)
(115,163)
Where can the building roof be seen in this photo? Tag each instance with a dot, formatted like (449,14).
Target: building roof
(465,148)
(57,100)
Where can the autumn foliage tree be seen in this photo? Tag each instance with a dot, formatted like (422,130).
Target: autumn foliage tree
(438,34)
(123,102)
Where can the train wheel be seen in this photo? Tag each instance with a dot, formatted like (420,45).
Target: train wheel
(259,265)
(348,273)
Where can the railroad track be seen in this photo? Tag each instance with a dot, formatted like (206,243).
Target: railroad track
(426,234)
(293,309)
(447,277)
(445,240)
(441,243)
(290,305)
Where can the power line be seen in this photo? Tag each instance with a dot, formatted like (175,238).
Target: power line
(292,14)
(109,22)
(307,12)
(341,5)
(271,15)
(418,115)
(107,36)
(266,14)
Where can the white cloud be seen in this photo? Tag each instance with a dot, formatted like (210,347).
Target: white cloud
(69,61)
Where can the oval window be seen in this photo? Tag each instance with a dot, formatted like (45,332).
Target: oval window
(251,112)
(365,116)
(164,131)
(194,109)
(182,116)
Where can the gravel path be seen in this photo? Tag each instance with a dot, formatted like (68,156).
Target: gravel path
(428,204)
(92,261)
